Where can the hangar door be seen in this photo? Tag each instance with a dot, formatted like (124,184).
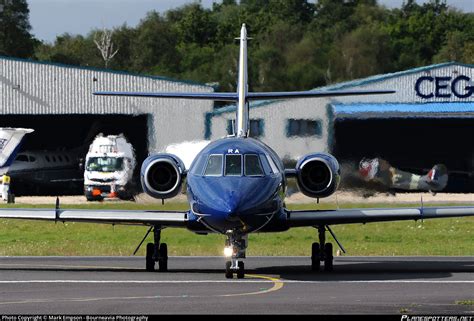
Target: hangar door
(66,132)
(412,144)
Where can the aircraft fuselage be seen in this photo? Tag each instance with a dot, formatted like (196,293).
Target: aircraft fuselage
(236,183)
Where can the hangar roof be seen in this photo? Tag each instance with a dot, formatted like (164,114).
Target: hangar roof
(33,87)
(118,72)
(383,77)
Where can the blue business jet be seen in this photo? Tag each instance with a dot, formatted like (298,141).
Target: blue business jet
(236,186)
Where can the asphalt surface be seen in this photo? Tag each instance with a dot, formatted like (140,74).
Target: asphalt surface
(275,285)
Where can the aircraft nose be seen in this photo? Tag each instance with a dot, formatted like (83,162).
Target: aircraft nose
(232,205)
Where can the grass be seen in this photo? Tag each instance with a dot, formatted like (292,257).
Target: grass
(465,302)
(449,237)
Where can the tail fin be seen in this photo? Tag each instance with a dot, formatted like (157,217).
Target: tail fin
(10,141)
(437,177)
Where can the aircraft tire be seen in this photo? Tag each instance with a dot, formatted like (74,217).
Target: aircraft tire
(315,257)
(150,262)
(228,271)
(163,260)
(328,257)
(241,270)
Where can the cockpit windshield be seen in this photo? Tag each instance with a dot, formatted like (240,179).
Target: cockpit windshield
(252,166)
(104,164)
(232,166)
(214,166)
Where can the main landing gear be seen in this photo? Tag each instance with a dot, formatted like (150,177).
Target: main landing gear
(234,250)
(156,252)
(321,252)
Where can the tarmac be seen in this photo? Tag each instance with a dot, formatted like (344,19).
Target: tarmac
(273,285)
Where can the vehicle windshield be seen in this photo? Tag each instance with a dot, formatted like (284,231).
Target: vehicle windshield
(105,164)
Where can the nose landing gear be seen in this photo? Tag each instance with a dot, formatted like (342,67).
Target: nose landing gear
(234,250)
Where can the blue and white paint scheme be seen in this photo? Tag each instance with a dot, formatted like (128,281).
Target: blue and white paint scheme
(236,186)
(10,143)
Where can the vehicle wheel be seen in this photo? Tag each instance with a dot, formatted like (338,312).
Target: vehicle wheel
(163,260)
(150,262)
(228,271)
(328,258)
(241,270)
(93,198)
(315,257)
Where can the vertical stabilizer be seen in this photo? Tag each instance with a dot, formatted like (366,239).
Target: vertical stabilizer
(242,117)
(10,140)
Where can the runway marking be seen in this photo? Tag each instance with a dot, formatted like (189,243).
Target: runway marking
(265,279)
(133,281)
(33,266)
(278,284)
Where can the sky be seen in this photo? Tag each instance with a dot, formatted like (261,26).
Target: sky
(50,18)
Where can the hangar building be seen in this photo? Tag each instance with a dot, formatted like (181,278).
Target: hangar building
(429,120)
(56,100)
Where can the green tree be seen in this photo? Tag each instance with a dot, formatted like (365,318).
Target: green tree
(154,46)
(72,50)
(15,37)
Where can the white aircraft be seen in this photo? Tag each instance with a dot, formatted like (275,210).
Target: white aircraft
(236,186)
(51,171)
(10,142)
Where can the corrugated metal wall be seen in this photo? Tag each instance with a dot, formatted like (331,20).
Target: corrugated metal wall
(39,88)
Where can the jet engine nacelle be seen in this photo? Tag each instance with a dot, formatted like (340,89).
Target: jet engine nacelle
(162,175)
(318,175)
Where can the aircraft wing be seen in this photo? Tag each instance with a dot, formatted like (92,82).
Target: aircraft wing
(314,94)
(130,217)
(367,215)
(206,96)
(250,96)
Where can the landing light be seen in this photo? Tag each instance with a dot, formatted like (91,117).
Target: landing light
(228,251)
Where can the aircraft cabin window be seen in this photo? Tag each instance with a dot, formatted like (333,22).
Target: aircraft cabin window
(47,159)
(21,158)
(252,166)
(60,158)
(214,166)
(31,159)
(233,165)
